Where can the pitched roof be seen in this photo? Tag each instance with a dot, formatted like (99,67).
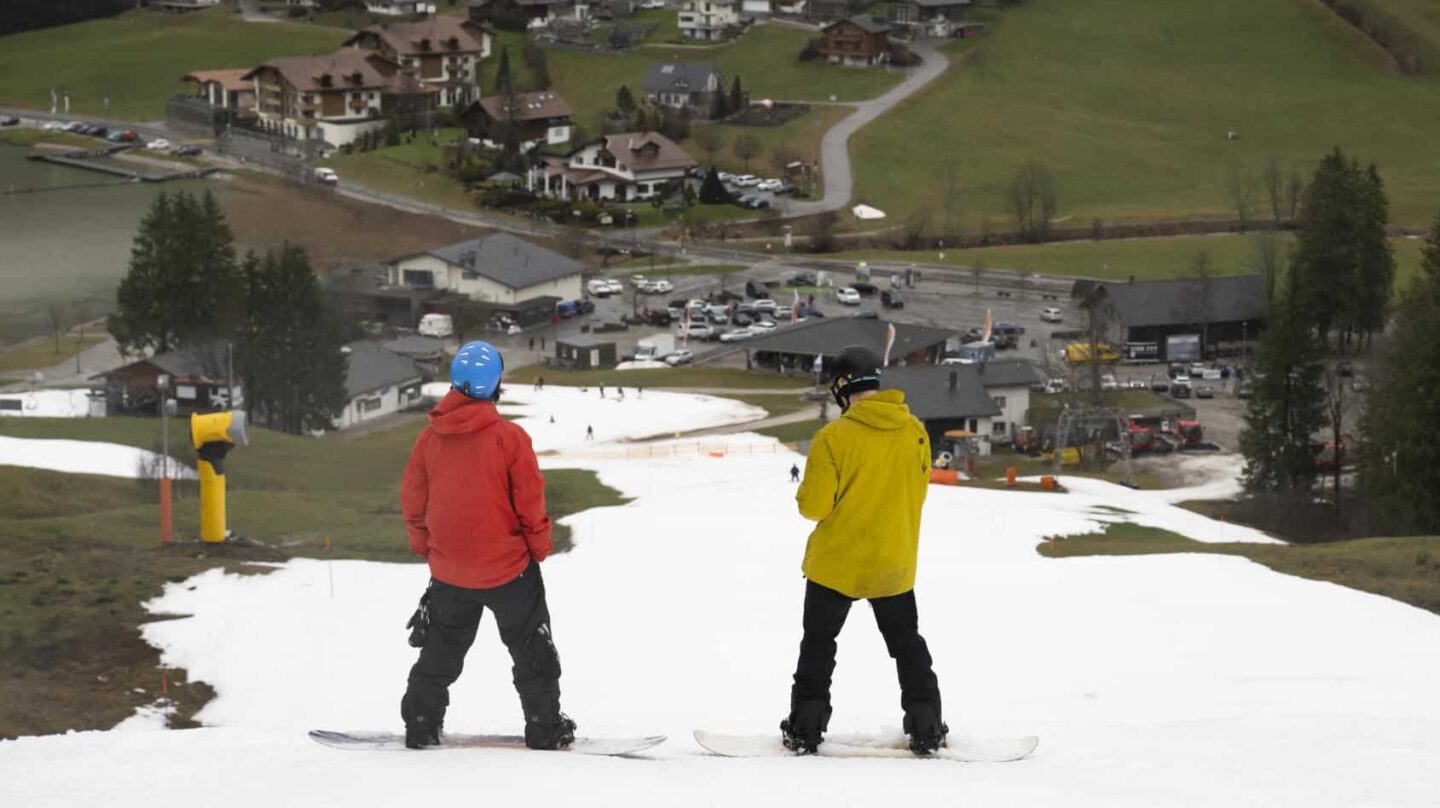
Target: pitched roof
(938,3)
(830,335)
(308,73)
(431,35)
(528,106)
(505,259)
(1178,302)
(230,80)
(864,21)
(369,367)
(647,151)
(415,345)
(681,77)
(930,397)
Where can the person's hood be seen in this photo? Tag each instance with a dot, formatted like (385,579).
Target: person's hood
(884,410)
(458,413)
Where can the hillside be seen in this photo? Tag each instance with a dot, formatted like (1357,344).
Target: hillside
(1131,111)
(137,59)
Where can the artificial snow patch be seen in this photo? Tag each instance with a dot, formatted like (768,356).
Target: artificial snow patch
(47,404)
(86,457)
(867,212)
(643,364)
(556,417)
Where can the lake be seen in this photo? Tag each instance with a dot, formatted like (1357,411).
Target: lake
(67,243)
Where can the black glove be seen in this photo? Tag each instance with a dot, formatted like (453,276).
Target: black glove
(419,624)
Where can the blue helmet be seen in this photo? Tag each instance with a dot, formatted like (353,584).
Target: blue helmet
(476,370)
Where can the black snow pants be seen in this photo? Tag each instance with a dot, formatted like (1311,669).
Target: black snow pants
(899,622)
(524,621)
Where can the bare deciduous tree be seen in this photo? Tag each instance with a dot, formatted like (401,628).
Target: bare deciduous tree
(1294,188)
(1240,193)
(950,200)
(1032,200)
(1268,262)
(1274,181)
(58,315)
(747,147)
(709,142)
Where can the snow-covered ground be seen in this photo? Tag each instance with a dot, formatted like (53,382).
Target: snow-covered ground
(85,457)
(1182,680)
(556,417)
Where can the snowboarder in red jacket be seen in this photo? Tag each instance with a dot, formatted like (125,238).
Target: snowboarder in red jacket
(474,506)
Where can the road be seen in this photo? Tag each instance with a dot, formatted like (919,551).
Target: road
(835,145)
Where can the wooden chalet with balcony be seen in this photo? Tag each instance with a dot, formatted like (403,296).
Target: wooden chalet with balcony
(442,53)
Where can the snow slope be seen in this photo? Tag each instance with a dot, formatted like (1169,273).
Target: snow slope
(84,457)
(1185,680)
(635,417)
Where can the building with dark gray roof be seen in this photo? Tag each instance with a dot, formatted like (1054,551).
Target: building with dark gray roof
(989,399)
(796,346)
(685,85)
(378,382)
(1217,314)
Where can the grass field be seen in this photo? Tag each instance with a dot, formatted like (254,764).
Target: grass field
(137,58)
(765,59)
(728,378)
(1131,111)
(1415,23)
(801,137)
(410,168)
(793,433)
(1119,259)
(1406,569)
(39,353)
(79,553)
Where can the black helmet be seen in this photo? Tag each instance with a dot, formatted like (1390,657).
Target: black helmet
(857,369)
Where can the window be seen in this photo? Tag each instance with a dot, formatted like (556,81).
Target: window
(999,401)
(367,405)
(997,428)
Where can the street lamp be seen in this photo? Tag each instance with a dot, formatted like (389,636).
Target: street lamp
(162,384)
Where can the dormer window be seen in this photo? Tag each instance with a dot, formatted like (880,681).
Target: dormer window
(326,81)
(454,43)
(425,44)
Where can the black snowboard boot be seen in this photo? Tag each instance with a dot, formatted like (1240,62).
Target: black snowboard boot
(545,726)
(803,731)
(420,734)
(927,732)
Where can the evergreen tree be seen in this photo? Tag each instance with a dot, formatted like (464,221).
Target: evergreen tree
(1375,267)
(624,101)
(290,351)
(737,97)
(504,82)
(183,287)
(1286,406)
(712,190)
(1400,460)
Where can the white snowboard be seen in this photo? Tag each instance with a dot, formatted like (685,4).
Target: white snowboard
(375,741)
(964,748)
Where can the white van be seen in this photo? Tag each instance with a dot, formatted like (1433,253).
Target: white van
(436,325)
(326,176)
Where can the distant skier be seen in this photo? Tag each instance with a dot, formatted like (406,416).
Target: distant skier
(602,389)
(620,393)
(794,473)
(589,432)
(473,500)
(865,484)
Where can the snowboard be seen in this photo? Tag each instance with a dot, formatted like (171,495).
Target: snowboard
(376,741)
(963,748)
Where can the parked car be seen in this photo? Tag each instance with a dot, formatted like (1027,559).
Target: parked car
(615,286)
(737,335)
(638,281)
(9,120)
(683,356)
(891,300)
(745,181)
(725,176)
(765,305)
(769,185)
(1159,384)
(802,279)
(326,176)
(1109,382)
(1050,314)
(865,289)
(742,318)
(598,287)
(160,144)
(846,296)
(73,126)
(436,325)
(757,290)
(696,330)
(1204,391)
(763,324)
(657,287)
(584,306)
(122,136)
(1009,328)
(1196,370)
(1180,387)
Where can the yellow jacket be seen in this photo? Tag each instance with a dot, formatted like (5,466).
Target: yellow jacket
(865,483)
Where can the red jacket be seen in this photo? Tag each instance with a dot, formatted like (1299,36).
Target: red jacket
(473,497)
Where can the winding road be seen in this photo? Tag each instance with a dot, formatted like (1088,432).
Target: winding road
(835,145)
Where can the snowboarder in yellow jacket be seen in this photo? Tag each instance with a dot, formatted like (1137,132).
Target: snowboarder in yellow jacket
(865,482)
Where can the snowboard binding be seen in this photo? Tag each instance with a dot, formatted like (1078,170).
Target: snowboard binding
(927,732)
(804,731)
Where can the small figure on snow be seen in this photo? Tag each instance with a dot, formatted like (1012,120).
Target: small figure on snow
(540,382)
(589,432)
(472,476)
(794,473)
(602,389)
(620,393)
(874,458)
(639,392)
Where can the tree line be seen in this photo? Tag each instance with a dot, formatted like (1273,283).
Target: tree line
(28,15)
(186,288)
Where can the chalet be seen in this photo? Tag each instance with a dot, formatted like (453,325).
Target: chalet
(1181,320)
(335,98)
(990,400)
(930,18)
(540,119)
(823,11)
(855,41)
(378,382)
(498,268)
(584,352)
(537,13)
(622,167)
(197,378)
(224,89)
(441,52)
(695,86)
(708,19)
